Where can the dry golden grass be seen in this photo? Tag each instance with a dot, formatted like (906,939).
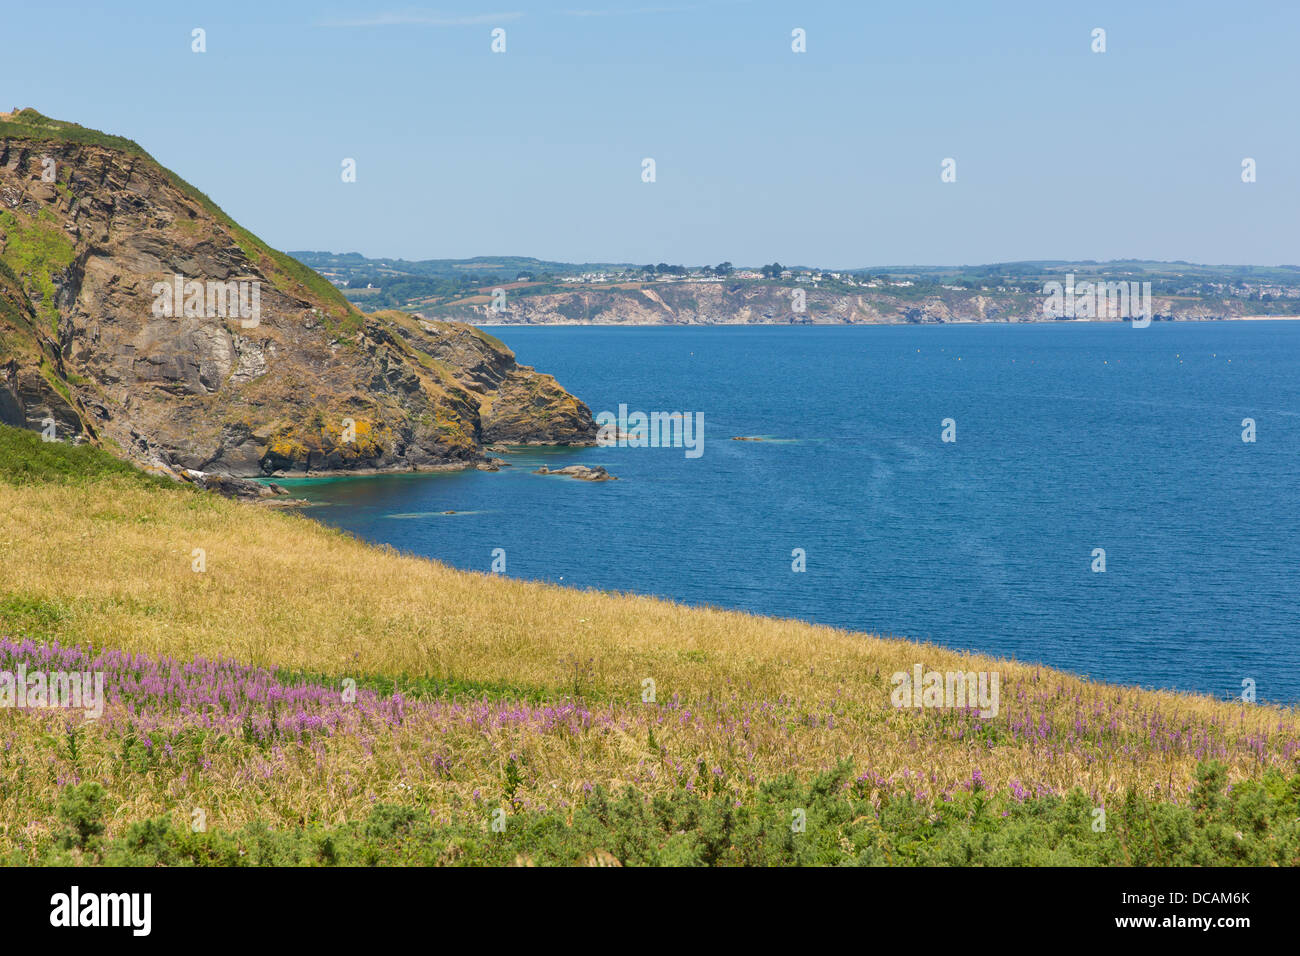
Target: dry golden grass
(754,697)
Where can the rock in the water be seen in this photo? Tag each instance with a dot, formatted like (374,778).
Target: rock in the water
(581,472)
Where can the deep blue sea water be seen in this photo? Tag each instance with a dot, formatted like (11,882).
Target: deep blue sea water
(1070,437)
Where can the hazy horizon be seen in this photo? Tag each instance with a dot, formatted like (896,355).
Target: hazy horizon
(809,265)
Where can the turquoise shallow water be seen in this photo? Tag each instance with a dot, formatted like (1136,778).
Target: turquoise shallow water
(1070,437)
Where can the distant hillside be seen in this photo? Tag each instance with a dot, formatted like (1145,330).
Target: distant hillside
(536,291)
(504,268)
(135,313)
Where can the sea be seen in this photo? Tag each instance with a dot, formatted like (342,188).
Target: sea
(1078,494)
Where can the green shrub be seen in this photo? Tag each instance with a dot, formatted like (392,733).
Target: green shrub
(1249,824)
(26,459)
(81,808)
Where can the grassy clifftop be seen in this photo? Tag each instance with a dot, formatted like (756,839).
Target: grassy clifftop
(31,124)
(369,706)
(291,274)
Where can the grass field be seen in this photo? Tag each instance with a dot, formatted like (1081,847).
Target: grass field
(281,692)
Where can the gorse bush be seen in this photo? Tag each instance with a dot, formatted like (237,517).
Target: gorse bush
(844,823)
(81,808)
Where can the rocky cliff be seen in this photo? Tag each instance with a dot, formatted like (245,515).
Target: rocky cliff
(134,313)
(755,303)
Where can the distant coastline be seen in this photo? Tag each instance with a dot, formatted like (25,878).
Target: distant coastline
(784,325)
(492,291)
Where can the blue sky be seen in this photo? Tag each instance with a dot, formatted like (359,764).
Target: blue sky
(830,157)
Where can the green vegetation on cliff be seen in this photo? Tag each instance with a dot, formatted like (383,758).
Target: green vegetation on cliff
(26,458)
(291,276)
(37,249)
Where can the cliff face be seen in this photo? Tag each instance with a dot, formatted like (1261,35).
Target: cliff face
(750,303)
(134,312)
